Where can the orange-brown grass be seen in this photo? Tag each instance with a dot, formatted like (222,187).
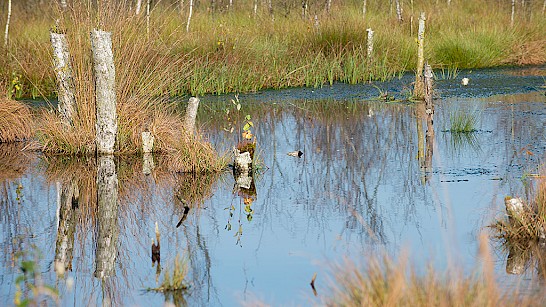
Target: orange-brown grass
(16,121)
(386,283)
(145,71)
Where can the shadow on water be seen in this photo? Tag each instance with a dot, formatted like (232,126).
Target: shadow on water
(372,178)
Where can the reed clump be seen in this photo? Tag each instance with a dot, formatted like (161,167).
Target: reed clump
(16,121)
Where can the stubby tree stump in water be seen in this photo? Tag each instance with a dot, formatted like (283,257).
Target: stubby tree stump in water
(105,91)
(65,80)
(242,169)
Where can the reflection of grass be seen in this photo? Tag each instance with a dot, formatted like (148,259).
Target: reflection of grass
(174,281)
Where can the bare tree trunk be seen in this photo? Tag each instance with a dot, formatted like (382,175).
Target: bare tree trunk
(66,226)
(418,90)
(369,43)
(148,18)
(63,4)
(255,8)
(328,5)
(138,6)
(543,7)
(189,16)
(429,110)
(399,11)
(513,12)
(191,114)
(303,9)
(7,25)
(65,81)
(105,91)
(270,8)
(364,7)
(107,217)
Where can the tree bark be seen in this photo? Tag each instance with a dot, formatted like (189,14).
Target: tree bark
(105,91)
(418,90)
(191,114)
(189,16)
(6,32)
(65,80)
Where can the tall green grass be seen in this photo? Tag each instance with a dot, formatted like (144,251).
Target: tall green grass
(235,51)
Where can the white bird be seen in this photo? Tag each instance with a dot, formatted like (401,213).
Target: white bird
(464,81)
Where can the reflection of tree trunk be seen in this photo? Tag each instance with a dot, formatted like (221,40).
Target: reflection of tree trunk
(429,110)
(515,263)
(421,140)
(64,246)
(107,198)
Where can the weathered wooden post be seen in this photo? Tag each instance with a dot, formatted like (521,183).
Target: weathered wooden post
(107,217)
(418,89)
(147,148)
(242,169)
(7,25)
(105,91)
(513,12)
(369,43)
(65,80)
(191,114)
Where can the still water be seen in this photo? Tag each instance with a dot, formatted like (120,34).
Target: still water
(367,184)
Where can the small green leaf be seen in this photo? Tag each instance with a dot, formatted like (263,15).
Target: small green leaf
(249,217)
(247,117)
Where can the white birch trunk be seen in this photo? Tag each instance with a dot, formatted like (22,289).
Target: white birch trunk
(255,8)
(242,166)
(418,90)
(105,91)
(148,18)
(328,5)
(7,25)
(191,114)
(138,6)
(189,16)
(65,80)
(543,7)
(107,217)
(369,43)
(364,7)
(63,4)
(399,11)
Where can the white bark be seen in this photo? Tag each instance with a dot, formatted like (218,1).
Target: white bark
(63,4)
(256,7)
(148,17)
(429,83)
(328,5)
(65,80)
(418,90)
(138,6)
(242,169)
(105,91)
(108,229)
(189,16)
(147,142)
(369,43)
(191,114)
(399,10)
(7,24)
(364,7)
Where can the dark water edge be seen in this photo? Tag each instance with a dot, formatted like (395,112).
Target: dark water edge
(359,190)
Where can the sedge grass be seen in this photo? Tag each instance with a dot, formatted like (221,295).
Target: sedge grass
(16,121)
(234,51)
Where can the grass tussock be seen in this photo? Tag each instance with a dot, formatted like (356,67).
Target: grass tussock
(16,121)
(175,281)
(386,283)
(462,121)
(529,224)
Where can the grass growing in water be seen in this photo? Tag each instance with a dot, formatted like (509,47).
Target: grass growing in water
(462,121)
(175,281)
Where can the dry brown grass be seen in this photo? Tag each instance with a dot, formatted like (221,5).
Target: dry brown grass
(385,283)
(16,121)
(14,162)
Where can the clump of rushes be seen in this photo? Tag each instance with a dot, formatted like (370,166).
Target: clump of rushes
(385,283)
(145,71)
(16,121)
(462,121)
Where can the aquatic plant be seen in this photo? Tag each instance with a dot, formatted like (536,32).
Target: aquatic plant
(462,121)
(16,121)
